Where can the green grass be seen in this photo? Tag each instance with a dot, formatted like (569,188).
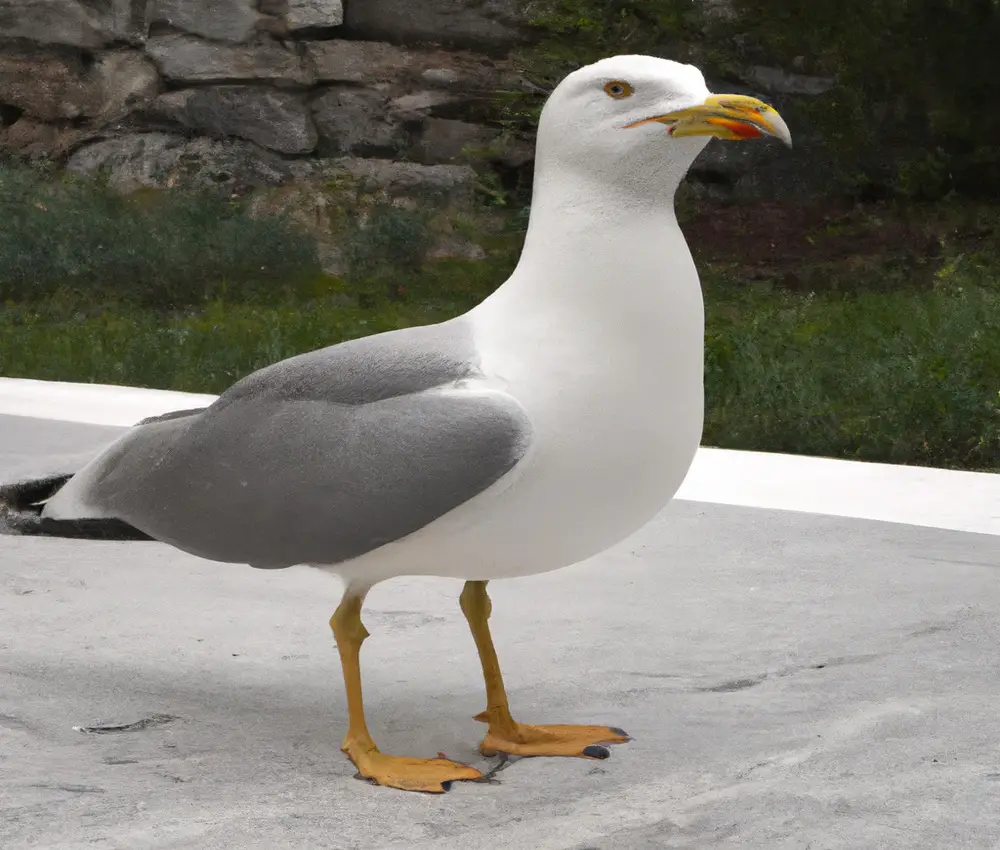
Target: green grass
(902,378)
(162,250)
(210,347)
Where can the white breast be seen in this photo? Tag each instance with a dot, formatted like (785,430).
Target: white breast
(614,394)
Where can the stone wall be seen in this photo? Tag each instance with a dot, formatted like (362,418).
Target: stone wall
(237,94)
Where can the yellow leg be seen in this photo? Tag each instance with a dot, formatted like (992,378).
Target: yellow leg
(409,774)
(506,735)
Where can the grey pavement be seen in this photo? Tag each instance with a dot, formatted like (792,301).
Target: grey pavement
(790,680)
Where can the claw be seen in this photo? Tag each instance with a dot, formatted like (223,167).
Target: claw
(524,740)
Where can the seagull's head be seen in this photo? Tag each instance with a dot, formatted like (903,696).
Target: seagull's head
(640,116)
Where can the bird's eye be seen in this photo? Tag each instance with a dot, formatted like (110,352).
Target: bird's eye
(618,89)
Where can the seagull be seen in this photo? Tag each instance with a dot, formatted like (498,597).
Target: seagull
(540,428)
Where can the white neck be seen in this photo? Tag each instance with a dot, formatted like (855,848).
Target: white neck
(600,254)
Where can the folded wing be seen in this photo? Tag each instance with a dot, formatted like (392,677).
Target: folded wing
(317,459)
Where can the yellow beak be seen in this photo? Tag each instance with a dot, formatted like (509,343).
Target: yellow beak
(725,116)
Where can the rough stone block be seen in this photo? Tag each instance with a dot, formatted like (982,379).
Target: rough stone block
(354,121)
(48,86)
(71,22)
(167,160)
(276,120)
(186,59)
(314,14)
(222,20)
(342,61)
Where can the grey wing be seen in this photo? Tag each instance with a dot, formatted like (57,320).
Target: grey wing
(274,481)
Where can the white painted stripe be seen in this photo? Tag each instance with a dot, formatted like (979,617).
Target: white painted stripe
(935,498)
(93,404)
(915,495)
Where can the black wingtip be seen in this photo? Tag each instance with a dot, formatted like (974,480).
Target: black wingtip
(20,503)
(21,515)
(26,495)
(30,524)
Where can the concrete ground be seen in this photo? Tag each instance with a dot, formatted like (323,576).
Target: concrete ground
(791,680)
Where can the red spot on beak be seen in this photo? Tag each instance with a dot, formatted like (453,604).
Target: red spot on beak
(741,129)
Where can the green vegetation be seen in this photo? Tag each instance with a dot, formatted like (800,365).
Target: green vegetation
(159,250)
(884,355)
(394,240)
(901,378)
(570,33)
(912,76)
(201,350)
(906,116)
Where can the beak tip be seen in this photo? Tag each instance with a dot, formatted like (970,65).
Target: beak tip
(782,134)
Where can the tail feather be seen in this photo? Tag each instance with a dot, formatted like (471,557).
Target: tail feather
(21,514)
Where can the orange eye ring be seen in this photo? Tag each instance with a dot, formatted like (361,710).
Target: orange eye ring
(618,89)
